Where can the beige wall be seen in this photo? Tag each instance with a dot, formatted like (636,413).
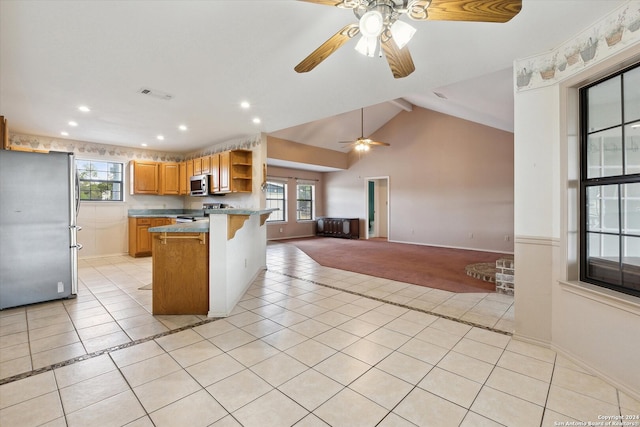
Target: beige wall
(593,326)
(292,228)
(450,182)
(282,149)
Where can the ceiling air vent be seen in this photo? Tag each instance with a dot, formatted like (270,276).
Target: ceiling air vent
(155,93)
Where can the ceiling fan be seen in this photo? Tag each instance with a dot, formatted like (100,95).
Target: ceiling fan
(362,143)
(382,30)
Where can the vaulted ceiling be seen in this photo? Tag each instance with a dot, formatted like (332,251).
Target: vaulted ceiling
(208,56)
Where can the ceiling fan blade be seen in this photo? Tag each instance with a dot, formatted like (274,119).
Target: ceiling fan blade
(379,143)
(327,48)
(399,60)
(469,10)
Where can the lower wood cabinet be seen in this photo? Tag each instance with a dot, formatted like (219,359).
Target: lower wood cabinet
(338,227)
(139,236)
(180,273)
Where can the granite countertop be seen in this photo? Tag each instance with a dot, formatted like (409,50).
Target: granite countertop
(238,211)
(164,213)
(200,226)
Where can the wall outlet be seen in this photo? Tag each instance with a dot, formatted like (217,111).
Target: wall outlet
(60,287)
(507,238)
(281,229)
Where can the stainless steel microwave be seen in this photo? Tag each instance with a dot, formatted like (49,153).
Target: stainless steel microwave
(200,185)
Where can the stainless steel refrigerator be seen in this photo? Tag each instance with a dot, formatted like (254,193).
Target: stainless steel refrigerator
(38,209)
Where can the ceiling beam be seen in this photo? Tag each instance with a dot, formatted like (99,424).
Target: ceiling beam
(405,105)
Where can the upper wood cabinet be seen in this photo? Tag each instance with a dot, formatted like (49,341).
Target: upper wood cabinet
(205,163)
(223,173)
(197,166)
(169,178)
(184,178)
(144,177)
(236,171)
(190,173)
(215,173)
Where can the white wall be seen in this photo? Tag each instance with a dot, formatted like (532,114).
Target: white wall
(595,327)
(450,182)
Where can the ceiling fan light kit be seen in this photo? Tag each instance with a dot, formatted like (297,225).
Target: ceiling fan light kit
(363,144)
(380,26)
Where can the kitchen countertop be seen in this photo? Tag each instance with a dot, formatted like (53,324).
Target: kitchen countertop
(200,226)
(163,213)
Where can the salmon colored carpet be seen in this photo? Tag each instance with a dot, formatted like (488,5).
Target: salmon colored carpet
(430,266)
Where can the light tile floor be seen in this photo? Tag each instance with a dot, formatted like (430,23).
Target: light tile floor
(294,352)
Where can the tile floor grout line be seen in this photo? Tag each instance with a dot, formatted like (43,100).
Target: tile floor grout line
(466,322)
(546,400)
(102,351)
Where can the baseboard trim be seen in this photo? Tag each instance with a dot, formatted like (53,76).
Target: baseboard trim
(616,383)
(451,247)
(291,237)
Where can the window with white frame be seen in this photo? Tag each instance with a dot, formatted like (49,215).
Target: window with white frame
(610,182)
(276,199)
(100,181)
(305,200)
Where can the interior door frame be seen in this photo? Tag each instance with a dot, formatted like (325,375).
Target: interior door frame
(376,180)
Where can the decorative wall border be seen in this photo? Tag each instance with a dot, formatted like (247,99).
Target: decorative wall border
(98,151)
(612,33)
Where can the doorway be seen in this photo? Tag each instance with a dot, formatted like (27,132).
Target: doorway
(377,218)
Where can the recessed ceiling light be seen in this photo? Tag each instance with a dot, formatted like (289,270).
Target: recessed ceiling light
(245,104)
(256,120)
(144,145)
(160,137)
(72,123)
(637,125)
(182,128)
(84,108)
(63,133)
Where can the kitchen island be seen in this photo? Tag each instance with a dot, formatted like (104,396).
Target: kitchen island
(227,248)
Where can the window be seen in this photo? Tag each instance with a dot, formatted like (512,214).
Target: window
(610,182)
(100,181)
(304,201)
(276,199)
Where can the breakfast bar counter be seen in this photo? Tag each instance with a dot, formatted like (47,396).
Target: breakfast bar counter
(205,266)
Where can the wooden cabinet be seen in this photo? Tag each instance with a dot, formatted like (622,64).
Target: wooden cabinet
(224,183)
(189,175)
(144,177)
(236,171)
(180,273)
(4,133)
(169,178)
(338,227)
(139,236)
(197,166)
(214,185)
(183,184)
(205,163)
